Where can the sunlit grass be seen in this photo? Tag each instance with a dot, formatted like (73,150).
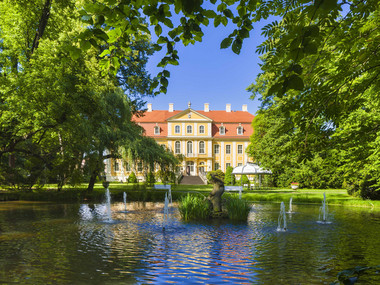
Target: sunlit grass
(194,207)
(237,208)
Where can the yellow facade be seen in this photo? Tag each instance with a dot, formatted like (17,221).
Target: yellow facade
(198,136)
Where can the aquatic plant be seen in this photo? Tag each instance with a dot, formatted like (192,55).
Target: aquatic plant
(194,207)
(237,208)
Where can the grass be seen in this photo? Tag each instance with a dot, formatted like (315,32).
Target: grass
(140,192)
(237,209)
(194,207)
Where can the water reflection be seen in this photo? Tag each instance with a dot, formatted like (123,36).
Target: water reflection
(72,244)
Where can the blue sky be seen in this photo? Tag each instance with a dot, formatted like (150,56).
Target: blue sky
(208,74)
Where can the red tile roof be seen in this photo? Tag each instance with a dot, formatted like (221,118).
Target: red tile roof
(158,116)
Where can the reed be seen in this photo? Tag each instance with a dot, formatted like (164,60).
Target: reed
(194,207)
(237,208)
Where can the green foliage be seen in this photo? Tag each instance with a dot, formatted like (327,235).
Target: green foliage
(229,178)
(238,209)
(150,178)
(217,173)
(244,180)
(194,207)
(132,178)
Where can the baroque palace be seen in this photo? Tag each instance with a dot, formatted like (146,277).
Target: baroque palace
(208,140)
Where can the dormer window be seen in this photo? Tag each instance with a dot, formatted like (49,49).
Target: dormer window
(156,130)
(222,130)
(239,130)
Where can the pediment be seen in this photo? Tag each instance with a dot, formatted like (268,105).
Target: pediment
(194,116)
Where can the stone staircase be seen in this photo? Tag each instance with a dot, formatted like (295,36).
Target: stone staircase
(191,180)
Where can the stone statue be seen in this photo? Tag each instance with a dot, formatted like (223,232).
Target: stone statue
(215,196)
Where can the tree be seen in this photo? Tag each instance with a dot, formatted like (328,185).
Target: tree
(229,178)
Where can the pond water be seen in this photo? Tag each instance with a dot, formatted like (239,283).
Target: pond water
(42,243)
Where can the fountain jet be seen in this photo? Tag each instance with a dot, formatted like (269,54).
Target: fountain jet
(282,219)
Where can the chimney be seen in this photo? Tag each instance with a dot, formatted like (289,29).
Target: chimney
(228,107)
(244,108)
(207,109)
(149,105)
(171,107)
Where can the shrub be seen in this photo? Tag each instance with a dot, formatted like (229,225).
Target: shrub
(193,207)
(244,180)
(218,173)
(237,208)
(150,179)
(229,178)
(132,178)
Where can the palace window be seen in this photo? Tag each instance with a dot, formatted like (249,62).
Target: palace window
(240,149)
(222,130)
(228,149)
(216,166)
(216,149)
(239,130)
(240,164)
(177,147)
(201,129)
(127,167)
(228,165)
(189,147)
(201,147)
(139,167)
(177,129)
(116,166)
(156,130)
(189,129)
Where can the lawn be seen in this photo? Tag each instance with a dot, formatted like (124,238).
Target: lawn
(139,192)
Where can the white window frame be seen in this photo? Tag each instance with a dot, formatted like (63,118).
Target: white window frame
(177,129)
(202,147)
(116,166)
(201,129)
(156,130)
(222,130)
(216,149)
(189,147)
(239,130)
(177,147)
(189,127)
(240,149)
(216,166)
(228,149)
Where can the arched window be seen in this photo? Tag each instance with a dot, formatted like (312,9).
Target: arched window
(201,147)
(177,129)
(189,147)
(189,129)
(177,147)
(201,129)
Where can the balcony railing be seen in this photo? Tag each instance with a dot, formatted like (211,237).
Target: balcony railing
(195,154)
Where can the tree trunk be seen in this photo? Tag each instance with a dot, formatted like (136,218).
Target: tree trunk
(215,196)
(91,183)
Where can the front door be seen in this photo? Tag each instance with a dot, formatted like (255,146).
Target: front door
(190,168)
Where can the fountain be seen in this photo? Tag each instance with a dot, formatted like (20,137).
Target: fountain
(125,201)
(170,196)
(166,210)
(108,206)
(290,205)
(323,211)
(282,219)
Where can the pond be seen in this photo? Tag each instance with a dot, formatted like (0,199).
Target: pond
(43,243)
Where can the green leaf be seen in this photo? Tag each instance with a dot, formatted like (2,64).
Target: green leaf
(228,13)
(226,43)
(236,46)
(295,82)
(158,30)
(104,53)
(85,45)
